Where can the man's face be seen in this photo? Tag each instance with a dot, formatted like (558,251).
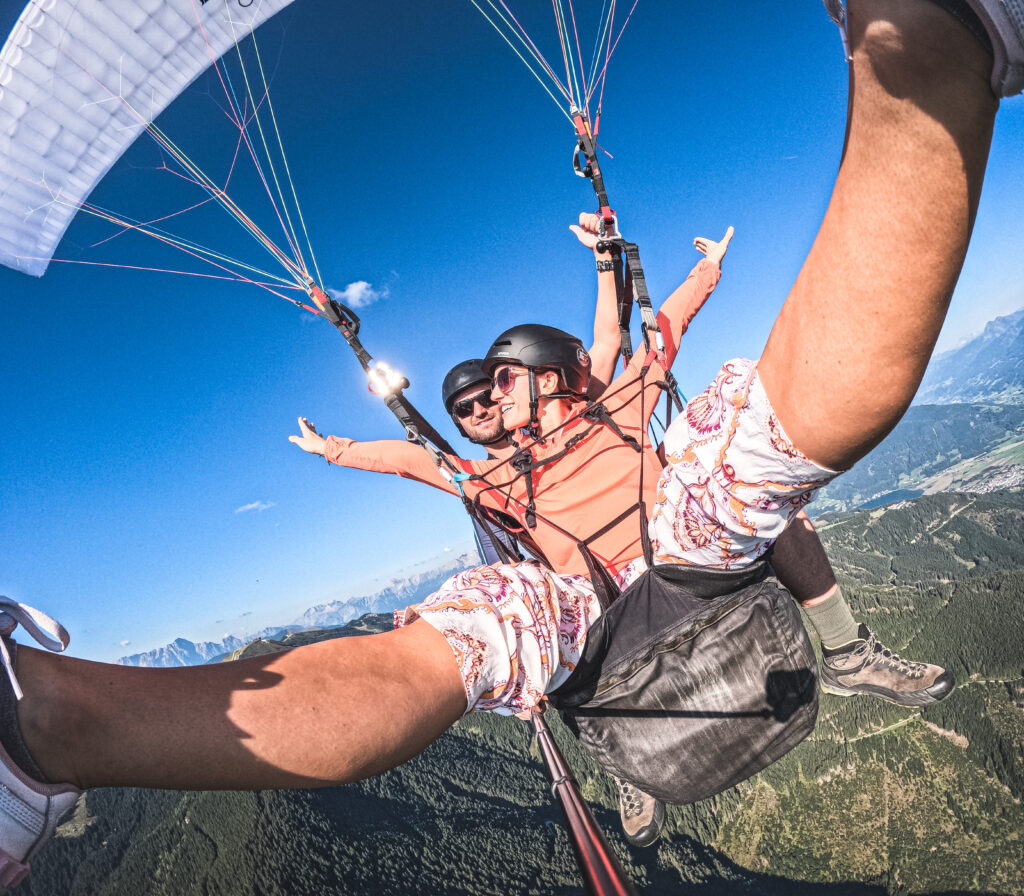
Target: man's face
(483,425)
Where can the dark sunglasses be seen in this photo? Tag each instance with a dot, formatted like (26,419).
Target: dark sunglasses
(505,379)
(464,408)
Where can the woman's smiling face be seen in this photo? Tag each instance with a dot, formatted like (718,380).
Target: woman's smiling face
(510,390)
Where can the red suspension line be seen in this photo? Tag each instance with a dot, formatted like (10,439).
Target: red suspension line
(241,122)
(218,193)
(215,191)
(237,278)
(602,76)
(151,222)
(243,138)
(229,204)
(184,246)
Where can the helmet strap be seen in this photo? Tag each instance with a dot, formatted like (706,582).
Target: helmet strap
(534,428)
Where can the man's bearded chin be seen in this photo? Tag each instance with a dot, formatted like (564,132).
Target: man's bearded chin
(501,434)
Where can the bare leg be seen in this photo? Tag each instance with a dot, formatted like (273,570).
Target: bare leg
(852,341)
(324,714)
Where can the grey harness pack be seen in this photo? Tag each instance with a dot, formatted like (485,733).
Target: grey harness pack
(693,680)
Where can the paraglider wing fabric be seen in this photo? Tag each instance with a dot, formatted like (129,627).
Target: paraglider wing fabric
(79,80)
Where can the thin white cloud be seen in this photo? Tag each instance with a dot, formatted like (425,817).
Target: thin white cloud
(258,506)
(124,643)
(359,294)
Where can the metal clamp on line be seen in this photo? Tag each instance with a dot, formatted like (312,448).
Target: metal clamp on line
(384,381)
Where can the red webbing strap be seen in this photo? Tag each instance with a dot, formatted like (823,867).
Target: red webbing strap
(592,170)
(602,873)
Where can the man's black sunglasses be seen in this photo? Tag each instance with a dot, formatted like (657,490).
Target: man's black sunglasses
(464,408)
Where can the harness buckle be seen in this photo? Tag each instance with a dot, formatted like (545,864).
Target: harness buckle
(384,380)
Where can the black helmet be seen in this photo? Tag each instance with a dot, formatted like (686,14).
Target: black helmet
(462,376)
(535,346)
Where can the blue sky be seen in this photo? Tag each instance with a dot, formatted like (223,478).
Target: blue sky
(147,487)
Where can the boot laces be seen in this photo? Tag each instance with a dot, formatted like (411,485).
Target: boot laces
(631,799)
(877,653)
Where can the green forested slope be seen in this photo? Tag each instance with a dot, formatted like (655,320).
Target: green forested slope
(920,801)
(880,798)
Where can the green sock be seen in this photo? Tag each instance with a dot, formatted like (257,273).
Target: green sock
(833,621)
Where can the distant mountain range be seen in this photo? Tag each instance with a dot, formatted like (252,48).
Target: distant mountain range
(965,429)
(182,652)
(399,592)
(988,369)
(929,440)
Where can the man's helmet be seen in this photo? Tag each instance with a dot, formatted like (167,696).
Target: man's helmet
(537,346)
(462,376)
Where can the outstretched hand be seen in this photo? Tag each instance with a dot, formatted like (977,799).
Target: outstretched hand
(712,251)
(310,441)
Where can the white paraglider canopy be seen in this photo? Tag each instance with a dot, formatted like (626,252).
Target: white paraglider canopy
(79,81)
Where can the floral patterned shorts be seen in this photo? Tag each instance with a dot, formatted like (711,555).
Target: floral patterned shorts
(733,480)
(517,631)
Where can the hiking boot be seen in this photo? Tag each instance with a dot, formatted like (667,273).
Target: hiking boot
(865,666)
(29,810)
(642,815)
(29,814)
(47,631)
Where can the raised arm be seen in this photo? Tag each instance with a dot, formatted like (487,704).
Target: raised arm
(394,456)
(674,316)
(689,297)
(605,350)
